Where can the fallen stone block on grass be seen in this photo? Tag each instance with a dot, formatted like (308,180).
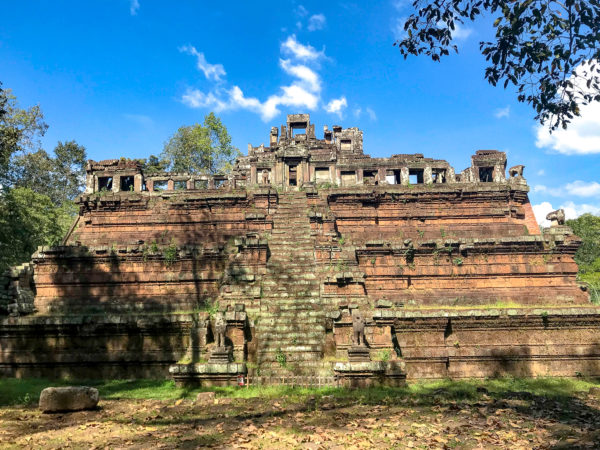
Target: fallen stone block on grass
(69,398)
(205,398)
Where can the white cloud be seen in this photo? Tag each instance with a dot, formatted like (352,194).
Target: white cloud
(582,136)
(371,114)
(301,11)
(502,112)
(541,172)
(303,92)
(211,71)
(134,5)
(302,72)
(583,189)
(300,51)
(401,4)
(398,28)
(576,188)
(540,212)
(572,211)
(357,112)
(336,106)
(316,22)
(461,33)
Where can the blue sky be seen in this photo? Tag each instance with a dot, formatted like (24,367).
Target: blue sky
(120,76)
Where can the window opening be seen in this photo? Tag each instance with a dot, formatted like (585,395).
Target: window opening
(201,184)
(486,174)
(179,185)
(415,176)
(127,183)
(160,186)
(105,183)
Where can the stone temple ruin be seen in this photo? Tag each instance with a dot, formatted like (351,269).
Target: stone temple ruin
(309,258)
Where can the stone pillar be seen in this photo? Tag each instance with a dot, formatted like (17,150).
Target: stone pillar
(404,176)
(427,177)
(170,185)
(359,176)
(150,185)
(253,179)
(116,183)
(90,183)
(382,173)
(498,175)
(274,136)
(450,175)
(138,181)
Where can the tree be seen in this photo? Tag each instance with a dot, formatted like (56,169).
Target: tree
(154,164)
(27,220)
(36,189)
(587,227)
(20,131)
(61,178)
(548,49)
(202,148)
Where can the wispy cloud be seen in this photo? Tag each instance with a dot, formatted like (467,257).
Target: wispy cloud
(301,11)
(371,114)
(292,47)
(502,112)
(316,22)
(301,63)
(337,106)
(134,5)
(461,32)
(211,71)
(576,188)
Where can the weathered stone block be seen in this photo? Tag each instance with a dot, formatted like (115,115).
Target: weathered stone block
(70,398)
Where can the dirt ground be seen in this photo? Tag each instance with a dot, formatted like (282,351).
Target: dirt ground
(518,420)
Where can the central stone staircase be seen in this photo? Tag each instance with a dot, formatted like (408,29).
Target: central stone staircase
(291,329)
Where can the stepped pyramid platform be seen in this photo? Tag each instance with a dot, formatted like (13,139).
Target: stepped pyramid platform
(452,274)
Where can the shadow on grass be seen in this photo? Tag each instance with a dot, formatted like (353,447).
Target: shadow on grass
(556,399)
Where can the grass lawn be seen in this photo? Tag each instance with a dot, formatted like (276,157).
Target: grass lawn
(499,413)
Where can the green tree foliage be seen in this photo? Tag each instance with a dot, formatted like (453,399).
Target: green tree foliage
(548,49)
(36,189)
(587,227)
(154,164)
(20,130)
(27,220)
(202,148)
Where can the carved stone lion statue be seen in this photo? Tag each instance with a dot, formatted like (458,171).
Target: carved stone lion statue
(556,217)
(516,171)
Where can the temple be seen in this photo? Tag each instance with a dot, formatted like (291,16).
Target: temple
(309,257)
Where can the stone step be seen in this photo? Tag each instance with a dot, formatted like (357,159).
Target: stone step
(315,331)
(294,348)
